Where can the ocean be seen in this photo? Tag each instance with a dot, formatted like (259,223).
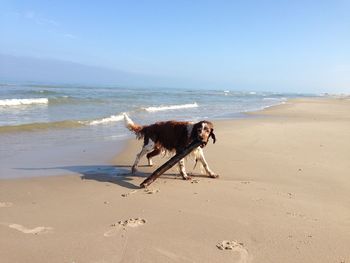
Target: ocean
(58,129)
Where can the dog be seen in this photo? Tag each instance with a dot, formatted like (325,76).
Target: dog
(172,136)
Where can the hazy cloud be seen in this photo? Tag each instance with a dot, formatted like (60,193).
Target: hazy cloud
(44,21)
(71,36)
(31,15)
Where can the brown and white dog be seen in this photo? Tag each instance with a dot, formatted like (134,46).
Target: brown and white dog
(172,136)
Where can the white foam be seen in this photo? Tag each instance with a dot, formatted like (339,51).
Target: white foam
(18,102)
(171,107)
(112,118)
(274,99)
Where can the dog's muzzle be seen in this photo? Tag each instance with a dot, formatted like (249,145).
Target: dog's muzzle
(203,144)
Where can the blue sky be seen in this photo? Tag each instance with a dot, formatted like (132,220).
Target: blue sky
(257,45)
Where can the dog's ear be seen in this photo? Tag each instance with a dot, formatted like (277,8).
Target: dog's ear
(212,135)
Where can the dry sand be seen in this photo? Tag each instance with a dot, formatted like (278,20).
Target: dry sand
(283,196)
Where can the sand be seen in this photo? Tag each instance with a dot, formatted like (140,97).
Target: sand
(282,196)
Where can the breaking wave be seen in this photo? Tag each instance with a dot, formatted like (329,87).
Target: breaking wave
(67,124)
(112,118)
(274,99)
(171,107)
(19,102)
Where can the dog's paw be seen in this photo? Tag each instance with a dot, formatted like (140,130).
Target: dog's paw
(187,177)
(213,175)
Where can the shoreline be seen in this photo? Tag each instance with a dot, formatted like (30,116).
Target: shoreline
(89,166)
(58,167)
(282,196)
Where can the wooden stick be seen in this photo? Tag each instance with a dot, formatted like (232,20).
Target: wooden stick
(170,163)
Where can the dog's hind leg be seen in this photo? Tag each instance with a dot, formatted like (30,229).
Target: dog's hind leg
(147,147)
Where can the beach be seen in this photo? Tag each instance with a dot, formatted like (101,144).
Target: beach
(282,196)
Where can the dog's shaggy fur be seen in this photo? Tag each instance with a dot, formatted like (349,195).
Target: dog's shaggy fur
(172,136)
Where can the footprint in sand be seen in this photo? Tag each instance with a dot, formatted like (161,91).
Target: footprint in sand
(151,191)
(235,247)
(130,193)
(34,231)
(132,222)
(147,191)
(296,214)
(5,204)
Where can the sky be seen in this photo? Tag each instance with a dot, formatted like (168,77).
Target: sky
(296,46)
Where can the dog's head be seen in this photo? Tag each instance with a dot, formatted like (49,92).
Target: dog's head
(202,131)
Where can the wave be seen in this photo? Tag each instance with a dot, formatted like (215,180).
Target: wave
(51,101)
(41,126)
(275,99)
(171,107)
(73,100)
(43,92)
(67,124)
(63,100)
(112,118)
(19,102)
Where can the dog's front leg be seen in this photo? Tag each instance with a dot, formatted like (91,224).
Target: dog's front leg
(147,147)
(183,170)
(201,158)
(137,160)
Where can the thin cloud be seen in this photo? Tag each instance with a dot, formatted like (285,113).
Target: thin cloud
(31,15)
(70,36)
(43,21)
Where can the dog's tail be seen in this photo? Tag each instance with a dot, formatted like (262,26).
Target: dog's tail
(129,124)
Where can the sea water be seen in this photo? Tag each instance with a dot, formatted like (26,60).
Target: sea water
(56,129)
